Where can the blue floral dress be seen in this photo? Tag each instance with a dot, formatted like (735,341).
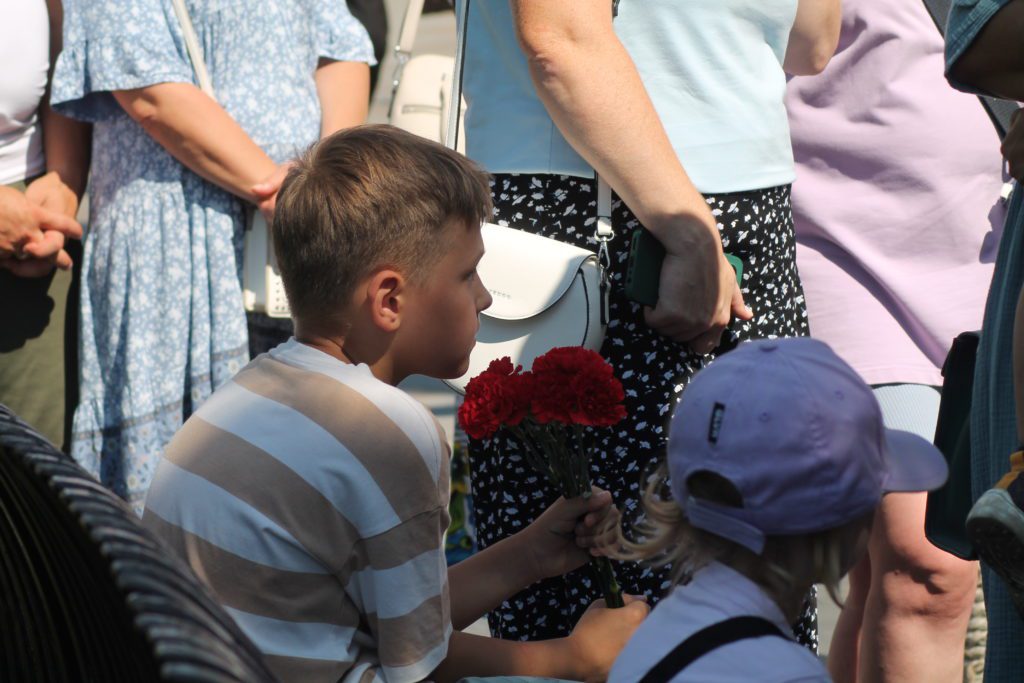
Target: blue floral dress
(162,323)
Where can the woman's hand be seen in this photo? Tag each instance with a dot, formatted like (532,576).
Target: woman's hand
(266,191)
(698,295)
(51,193)
(32,237)
(569,533)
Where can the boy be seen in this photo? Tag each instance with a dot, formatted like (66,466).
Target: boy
(311,495)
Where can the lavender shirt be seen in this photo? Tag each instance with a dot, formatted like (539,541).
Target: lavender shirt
(897,197)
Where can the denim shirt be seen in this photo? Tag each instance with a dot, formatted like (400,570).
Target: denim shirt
(966,19)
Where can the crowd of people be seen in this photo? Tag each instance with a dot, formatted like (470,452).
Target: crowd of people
(837,150)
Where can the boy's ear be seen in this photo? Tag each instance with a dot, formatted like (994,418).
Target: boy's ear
(385,291)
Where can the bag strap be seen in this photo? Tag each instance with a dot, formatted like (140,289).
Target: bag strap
(195,53)
(403,48)
(410,25)
(603,231)
(997,109)
(707,639)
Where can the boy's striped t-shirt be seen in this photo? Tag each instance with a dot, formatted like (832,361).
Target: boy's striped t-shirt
(312,499)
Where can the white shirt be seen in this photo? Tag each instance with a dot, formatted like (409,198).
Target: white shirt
(24,64)
(715,594)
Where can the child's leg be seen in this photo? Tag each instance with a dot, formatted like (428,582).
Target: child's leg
(996,522)
(919,599)
(844,650)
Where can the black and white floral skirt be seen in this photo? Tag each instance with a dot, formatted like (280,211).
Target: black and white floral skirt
(757,227)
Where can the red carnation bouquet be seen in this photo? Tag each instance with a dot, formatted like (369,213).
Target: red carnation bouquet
(569,388)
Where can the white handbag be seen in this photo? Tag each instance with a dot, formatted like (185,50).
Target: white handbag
(262,288)
(546,293)
(422,85)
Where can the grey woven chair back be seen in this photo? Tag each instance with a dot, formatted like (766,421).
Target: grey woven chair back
(87,594)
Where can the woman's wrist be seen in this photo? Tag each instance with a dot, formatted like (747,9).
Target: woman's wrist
(687,235)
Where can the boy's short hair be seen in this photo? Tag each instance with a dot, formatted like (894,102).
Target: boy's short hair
(363,198)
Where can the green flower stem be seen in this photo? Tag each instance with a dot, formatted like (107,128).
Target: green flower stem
(602,568)
(547,451)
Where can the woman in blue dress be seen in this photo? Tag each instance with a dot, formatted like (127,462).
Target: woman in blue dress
(173,172)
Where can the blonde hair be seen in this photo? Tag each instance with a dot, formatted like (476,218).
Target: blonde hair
(665,537)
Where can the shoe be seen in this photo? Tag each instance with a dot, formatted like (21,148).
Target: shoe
(995,526)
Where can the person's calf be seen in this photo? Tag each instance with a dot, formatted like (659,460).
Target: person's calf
(844,650)
(920,600)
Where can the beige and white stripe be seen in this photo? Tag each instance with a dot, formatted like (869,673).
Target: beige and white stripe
(312,499)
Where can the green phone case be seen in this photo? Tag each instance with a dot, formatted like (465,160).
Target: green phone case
(643,269)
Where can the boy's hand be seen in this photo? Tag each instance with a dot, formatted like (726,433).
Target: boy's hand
(570,532)
(601,633)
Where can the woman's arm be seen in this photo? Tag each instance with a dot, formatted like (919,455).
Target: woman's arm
(196,131)
(344,92)
(994,62)
(814,37)
(591,88)
(50,203)
(66,142)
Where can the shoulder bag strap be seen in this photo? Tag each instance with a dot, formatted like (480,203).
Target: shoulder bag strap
(195,53)
(406,40)
(603,231)
(707,639)
(998,110)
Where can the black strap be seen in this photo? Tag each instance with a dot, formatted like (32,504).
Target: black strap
(707,639)
(998,110)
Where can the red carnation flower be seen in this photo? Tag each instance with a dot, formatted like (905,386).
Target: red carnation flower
(574,385)
(499,396)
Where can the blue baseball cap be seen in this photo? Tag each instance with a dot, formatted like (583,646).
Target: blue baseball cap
(800,436)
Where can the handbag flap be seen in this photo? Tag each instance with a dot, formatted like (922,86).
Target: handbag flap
(526,273)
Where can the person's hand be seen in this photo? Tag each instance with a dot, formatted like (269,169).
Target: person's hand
(698,295)
(266,190)
(32,237)
(1013,146)
(51,193)
(569,533)
(601,633)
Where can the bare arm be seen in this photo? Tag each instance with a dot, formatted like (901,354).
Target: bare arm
(585,655)
(814,37)
(44,215)
(66,142)
(591,88)
(994,62)
(482,581)
(196,131)
(344,92)
(563,538)
(470,655)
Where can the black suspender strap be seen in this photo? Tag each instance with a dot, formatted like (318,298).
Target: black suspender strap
(707,639)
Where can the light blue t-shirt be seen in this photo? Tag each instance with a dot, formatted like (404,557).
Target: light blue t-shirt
(713,69)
